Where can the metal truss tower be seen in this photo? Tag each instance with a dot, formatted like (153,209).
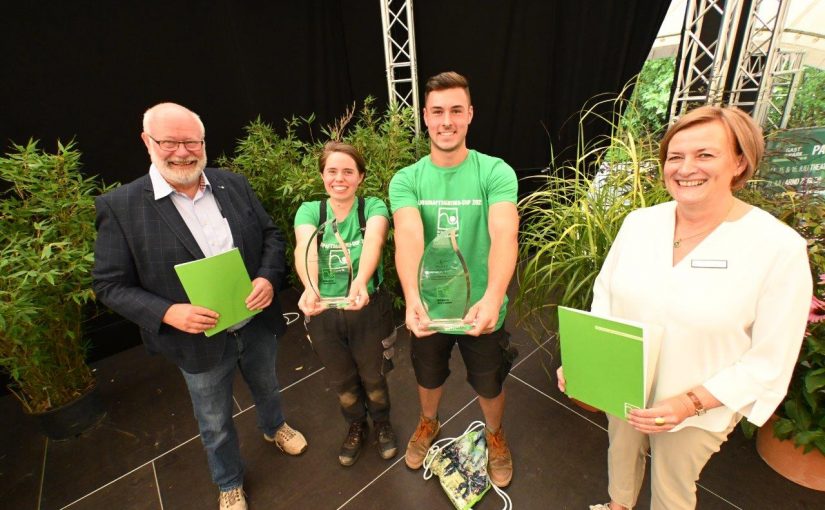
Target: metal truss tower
(399,55)
(753,79)
(729,55)
(785,78)
(705,53)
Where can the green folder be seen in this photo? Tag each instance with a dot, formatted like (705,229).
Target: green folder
(608,363)
(220,283)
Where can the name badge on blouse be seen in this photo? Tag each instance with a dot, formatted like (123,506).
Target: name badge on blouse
(708,264)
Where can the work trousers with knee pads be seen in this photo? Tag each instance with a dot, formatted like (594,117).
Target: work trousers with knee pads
(350,345)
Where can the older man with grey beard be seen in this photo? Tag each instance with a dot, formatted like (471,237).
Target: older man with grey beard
(179,212)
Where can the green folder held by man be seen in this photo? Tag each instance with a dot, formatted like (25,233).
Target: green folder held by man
(608,362)
(221,284)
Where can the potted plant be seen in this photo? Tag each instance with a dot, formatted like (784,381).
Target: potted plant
(793,442)
(46,255)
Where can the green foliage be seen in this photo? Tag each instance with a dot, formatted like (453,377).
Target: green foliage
(648,105)
(46,255)
(283,169)
(647,110)
(809,103)
(802,414)
(569,223)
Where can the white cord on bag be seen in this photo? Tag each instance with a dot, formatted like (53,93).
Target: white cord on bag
(288,316)
(439,445)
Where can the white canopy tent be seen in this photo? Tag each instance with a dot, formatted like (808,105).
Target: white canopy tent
(804,30)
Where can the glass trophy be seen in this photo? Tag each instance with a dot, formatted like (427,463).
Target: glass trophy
(444,283)
(329,266)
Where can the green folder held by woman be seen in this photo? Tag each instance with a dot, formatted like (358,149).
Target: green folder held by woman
(608,362)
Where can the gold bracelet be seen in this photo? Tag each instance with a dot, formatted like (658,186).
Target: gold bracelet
(697,404)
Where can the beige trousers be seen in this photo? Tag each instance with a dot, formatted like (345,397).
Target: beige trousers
(676,459)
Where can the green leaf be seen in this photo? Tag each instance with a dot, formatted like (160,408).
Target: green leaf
(783,428)
(814,380)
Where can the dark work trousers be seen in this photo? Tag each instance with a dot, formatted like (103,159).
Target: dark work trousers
(349,345)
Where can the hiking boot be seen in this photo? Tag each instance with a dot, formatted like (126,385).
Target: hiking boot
(387,444)
(233,499)
(420,441)
(499,460)
(351,449)
(289,440)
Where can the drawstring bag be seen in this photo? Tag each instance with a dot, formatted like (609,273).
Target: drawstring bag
(460,463)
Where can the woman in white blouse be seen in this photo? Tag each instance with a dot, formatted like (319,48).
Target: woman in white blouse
(729,284)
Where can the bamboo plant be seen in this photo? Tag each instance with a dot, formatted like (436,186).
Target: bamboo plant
(46,255)
(283,168)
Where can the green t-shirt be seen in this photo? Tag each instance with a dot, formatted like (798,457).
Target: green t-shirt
(458,197)
(331,257)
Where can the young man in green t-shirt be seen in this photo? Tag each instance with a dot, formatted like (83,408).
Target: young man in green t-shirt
(475,194)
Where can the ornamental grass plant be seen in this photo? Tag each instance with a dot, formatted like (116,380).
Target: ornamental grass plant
(569,223)
(47,238)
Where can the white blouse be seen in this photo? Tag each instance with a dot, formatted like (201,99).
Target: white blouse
(734,310)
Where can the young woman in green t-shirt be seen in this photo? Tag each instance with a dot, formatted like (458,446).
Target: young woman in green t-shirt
(349,341)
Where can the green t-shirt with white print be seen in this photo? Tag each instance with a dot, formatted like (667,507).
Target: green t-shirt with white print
(458,197)
(331,260)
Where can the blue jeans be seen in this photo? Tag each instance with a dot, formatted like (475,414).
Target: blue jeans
(253,349)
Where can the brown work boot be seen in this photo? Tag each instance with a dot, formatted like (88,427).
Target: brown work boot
(499,460)
(356,437)
(387,444)
(420,441)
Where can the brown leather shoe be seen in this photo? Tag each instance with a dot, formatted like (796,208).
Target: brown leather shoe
(499,460)
(420,441)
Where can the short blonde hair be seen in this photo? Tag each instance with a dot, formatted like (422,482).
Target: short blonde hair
(745,133)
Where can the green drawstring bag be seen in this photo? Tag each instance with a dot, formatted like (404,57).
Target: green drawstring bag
(460,463)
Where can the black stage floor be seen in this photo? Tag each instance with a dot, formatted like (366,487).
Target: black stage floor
(147,455)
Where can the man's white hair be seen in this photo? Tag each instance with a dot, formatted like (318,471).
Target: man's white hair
(149,115)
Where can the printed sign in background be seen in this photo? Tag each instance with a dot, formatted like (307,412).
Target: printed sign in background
(796,158)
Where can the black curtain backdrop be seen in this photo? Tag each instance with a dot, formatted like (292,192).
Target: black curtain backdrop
(532,65)
(88,69)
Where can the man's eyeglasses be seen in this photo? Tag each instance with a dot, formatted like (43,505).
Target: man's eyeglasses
(172,145)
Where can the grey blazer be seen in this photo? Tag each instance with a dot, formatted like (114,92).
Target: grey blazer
(139,241)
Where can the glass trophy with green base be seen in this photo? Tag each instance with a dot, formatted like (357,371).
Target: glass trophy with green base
(329,266)
(444,283)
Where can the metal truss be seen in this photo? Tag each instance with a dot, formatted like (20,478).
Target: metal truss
(762,79)
(751,87)
(781,89)
(707,41)
(399,55)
